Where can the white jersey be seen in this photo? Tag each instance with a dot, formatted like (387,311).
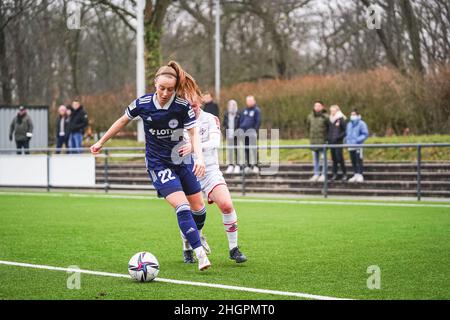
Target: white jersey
(209,129)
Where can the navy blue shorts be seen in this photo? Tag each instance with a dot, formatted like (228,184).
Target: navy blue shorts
(175,178)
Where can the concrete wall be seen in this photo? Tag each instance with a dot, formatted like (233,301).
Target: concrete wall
(31,170)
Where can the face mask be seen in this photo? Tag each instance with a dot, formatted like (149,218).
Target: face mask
(354,118)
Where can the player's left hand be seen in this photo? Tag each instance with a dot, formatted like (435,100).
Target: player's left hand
(199,168)
(185,149)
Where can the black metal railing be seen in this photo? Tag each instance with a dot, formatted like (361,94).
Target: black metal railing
(116,152)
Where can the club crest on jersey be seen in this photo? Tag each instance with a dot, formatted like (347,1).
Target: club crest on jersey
(173,123)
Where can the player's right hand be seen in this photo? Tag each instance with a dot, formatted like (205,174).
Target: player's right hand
(95,148)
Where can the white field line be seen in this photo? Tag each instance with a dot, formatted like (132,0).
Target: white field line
(182,282)
(272,201)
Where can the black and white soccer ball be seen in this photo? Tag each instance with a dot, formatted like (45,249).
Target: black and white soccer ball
(143,267)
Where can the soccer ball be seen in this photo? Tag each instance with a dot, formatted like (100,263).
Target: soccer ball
(143,267)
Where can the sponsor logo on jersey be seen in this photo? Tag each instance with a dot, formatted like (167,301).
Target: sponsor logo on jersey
(173,123)
(161,132)
(149,118)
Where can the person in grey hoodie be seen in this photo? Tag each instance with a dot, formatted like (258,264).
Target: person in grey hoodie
(22,128)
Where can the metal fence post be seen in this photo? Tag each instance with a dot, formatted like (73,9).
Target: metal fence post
(325,169)
(48,171)
(106,171)
(243,181)
(419,176)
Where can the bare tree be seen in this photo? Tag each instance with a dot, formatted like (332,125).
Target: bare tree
(9,11)
(412,28)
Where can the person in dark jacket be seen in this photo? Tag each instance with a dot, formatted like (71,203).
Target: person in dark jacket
(231,124)
(250,122)
(317,124)
(336,135)
(22,128)
(78,123)
(62,128)
(210,106)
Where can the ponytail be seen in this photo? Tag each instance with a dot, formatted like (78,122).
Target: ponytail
(186,86)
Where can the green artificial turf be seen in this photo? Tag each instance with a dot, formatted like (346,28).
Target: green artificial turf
(320,249)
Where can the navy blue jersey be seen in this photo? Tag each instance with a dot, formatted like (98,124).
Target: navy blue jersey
(163,126)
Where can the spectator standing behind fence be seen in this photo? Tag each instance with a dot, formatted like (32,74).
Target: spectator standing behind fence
(22,128)
(250,122)
(336,135)
(357,133)
(78,123)
(62,128)
(231,124)
(210,106)
(317,124)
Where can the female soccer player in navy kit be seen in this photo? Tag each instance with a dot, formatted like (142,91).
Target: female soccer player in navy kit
(165,114)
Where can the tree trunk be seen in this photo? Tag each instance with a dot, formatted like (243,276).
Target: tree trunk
(414,34)
(153,21)
(390,54)
(5,78)
(20,73)
(280,43)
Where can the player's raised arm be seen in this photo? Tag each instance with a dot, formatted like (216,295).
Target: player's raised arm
(112,131)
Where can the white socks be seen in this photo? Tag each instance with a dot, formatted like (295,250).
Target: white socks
(230,225)
(200,252)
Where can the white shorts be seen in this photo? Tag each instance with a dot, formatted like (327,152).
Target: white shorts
(211,180)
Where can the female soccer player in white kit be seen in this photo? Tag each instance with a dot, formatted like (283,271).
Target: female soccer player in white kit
(212,183)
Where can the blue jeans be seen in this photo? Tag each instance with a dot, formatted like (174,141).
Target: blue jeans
(317,156)
(75,141)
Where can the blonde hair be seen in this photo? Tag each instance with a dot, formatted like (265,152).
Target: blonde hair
(335,106)
(186,86)
(338,111)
